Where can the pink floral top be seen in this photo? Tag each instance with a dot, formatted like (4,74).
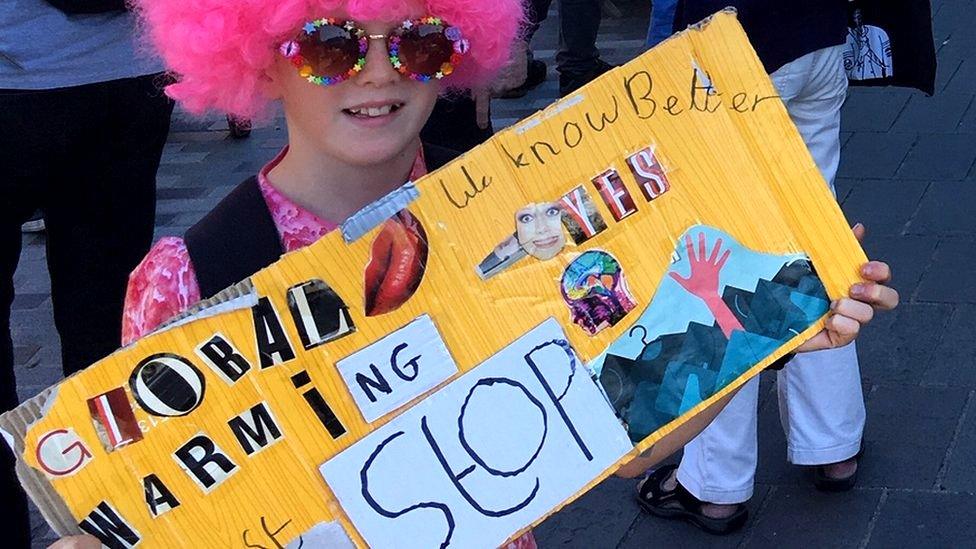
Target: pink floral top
(164,283)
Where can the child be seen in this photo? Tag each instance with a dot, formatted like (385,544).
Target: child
(319,180)
(353,123)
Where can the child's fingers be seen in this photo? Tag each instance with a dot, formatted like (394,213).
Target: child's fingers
(843,329)
(876,271)
(855,310)
(878,295)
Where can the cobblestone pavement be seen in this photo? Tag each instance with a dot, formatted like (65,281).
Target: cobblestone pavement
(907,172)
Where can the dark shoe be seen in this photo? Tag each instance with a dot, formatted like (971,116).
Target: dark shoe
(239,128)
(825,483)
(570,82)
(680,504)
(35,224)
(535,74)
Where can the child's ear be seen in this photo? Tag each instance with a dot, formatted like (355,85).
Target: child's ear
(275,78)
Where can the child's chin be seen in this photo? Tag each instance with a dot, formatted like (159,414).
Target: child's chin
(374,154)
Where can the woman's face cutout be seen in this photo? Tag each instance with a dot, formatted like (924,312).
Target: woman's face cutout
(539,229)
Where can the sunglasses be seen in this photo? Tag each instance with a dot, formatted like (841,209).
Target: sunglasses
(328,51)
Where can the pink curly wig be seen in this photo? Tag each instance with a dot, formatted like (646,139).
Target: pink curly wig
(220,50)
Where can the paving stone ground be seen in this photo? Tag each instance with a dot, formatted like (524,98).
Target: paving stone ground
(908,172)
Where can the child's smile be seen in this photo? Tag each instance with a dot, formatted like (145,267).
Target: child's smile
(372,114)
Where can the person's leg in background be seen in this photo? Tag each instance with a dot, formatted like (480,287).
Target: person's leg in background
(662,21)
(12,499)
(101,216)
(821,402)
(29,140)
(453,124)
(578,60)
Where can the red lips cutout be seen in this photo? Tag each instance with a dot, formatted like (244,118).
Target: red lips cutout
(396,264)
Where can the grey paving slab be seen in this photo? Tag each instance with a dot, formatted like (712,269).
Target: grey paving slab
(884,206)
(925,416)
(24,353)
(939,113)
(925,519)
(948,208)
(968,122)
(939,156)
(962,78)
(949,279)
(953,361)
(959,473)
(908,256)
(896,346)
(601,516)
(29,300)
(947,68)
(871,154)
(844,186)
(873,109)
(179,193)
(827,520)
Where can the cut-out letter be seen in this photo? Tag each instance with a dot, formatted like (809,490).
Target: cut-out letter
(223,358)
(615,194)
(319,313)
(206,463)
(255,429)
(273,345)
(580,216)
(158,497)
(649,174)
(105,523)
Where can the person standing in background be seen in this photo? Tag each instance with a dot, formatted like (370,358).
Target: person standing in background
(662,21)
(801,45)
(82,127)
(578,59)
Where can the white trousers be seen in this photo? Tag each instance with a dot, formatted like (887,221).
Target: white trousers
(820,401)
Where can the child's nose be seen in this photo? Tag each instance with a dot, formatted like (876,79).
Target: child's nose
(378,70)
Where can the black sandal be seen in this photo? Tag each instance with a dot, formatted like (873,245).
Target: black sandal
(830,484)
(680,504)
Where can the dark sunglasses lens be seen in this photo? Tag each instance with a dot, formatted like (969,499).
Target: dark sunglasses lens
(330,50)
(424,48)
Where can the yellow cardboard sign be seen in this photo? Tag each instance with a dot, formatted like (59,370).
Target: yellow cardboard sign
(666,210)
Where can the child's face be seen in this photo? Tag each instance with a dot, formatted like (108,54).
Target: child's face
(366,120)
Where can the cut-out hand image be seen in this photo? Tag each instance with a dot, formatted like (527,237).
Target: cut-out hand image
(703,281)
(719,310)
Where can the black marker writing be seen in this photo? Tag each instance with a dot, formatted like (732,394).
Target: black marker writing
(375,505)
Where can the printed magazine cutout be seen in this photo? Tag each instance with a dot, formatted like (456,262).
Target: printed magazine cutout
(690,220)
(891,44)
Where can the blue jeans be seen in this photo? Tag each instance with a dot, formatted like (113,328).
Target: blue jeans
(662,21)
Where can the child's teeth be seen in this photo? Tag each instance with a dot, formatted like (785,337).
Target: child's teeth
(373,111)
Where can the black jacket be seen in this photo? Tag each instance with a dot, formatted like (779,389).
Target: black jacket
(780,30)
(239,238)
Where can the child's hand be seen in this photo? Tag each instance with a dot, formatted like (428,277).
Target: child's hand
(849,314)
